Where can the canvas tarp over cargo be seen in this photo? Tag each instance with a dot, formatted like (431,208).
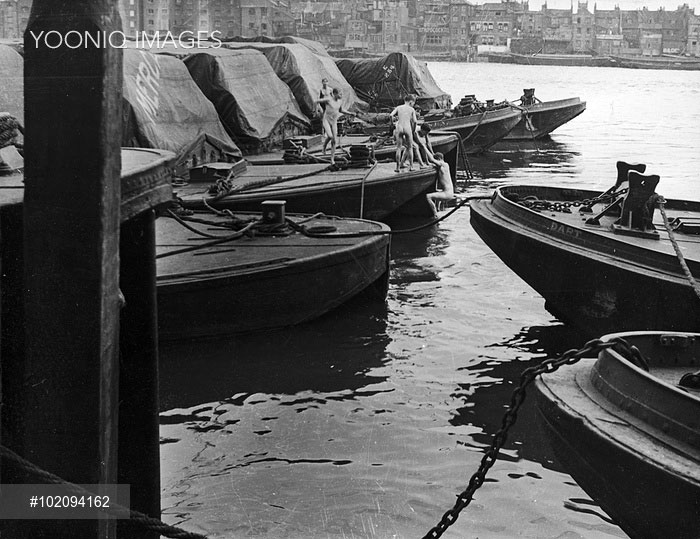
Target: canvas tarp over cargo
(165,109)
(302,70)
(255,106)
(12,82)
(383,82)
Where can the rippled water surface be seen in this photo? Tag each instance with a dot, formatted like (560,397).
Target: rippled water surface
(368,422)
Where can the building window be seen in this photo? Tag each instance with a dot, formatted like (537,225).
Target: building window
(251,12)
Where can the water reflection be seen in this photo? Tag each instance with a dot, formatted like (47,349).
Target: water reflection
(508,158)
(487,398)
(428,241)
(409,251)
(333,353)
(546,341)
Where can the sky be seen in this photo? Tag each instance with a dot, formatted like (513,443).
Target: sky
(669,5)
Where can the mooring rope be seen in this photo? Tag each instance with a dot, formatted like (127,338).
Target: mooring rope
(462,202)
(136,518)
(362,190)
(461,152)
(471,133)
(216,241)
(298,226)
(269,181)
(528,122)
(671,236)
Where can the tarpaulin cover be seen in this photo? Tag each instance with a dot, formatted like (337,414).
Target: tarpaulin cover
(383,82)
(315,46)
(250,98)
(165,109)
(302,70)
(12,82)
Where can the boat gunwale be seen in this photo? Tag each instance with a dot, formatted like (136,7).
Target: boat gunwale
(343,253)
(290,265)
(602,452)
(667,408)
(575,395)
(545,106)
(337,184)
(489,116)
(589,241)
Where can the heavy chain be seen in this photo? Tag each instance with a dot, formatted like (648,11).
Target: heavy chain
(591,348)
(537,204)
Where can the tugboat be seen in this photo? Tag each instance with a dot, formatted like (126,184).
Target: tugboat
(602,261)
(543,117)
(626,426)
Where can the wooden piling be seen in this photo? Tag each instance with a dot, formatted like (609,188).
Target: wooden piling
(71,220)
(139,448)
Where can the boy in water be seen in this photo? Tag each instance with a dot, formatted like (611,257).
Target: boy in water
(331,112)
(445,189)
(406,121)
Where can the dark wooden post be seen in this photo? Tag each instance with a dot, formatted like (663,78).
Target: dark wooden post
(72,203)
(139,449)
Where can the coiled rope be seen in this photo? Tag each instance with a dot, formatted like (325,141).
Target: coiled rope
(216,241)
(135,518)
(224,188)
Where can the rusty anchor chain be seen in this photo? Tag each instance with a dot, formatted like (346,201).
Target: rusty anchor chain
(536,204)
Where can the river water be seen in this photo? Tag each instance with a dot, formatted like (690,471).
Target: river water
(367,422)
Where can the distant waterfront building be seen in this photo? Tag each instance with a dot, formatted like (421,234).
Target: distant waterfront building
(434,28)
(693,43)
(674,29)
(651,44)
(610,44)
(14,15)
(494,24)
(583,30)
(462,46)
(379,26)
(557,30)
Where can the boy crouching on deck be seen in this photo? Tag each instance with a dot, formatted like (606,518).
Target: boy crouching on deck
(445,189)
